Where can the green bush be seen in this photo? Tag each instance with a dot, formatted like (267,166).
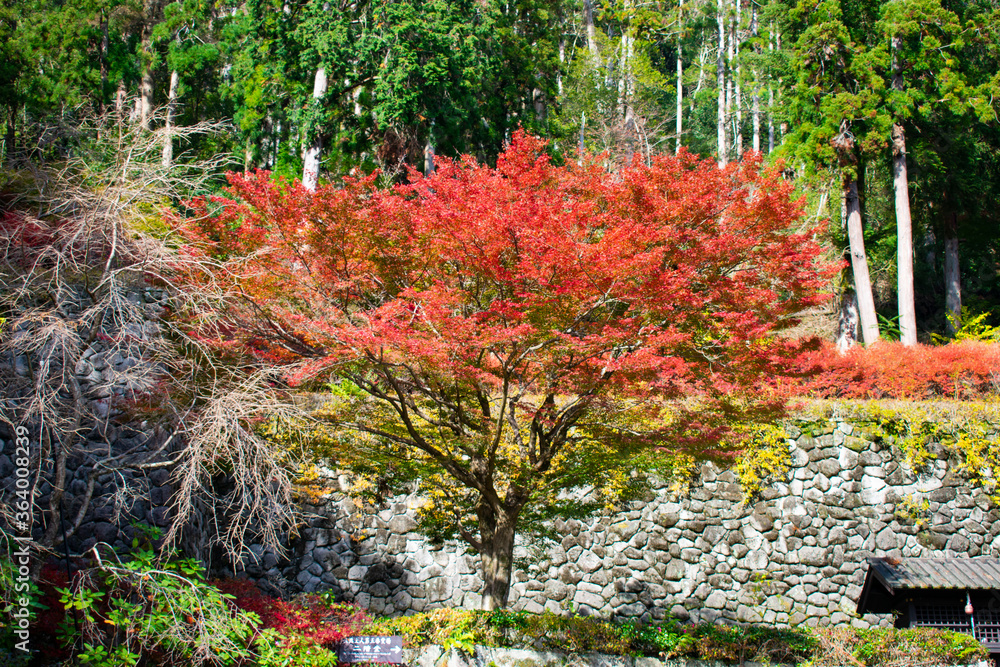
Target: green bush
(889,647)
(829,647)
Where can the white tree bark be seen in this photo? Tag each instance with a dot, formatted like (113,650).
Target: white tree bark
(756,84)
(859,264)
(429,152)
(952,279)
(679,123)
(730,68)
(145,101)
(168,138)
(720,77)
(702,59)
(588,22)
(904,239)
(904,222)
(847,324)
(738,96)
(310,167)
(770,100)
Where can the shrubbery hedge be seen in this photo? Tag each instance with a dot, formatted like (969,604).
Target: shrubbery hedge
(959,371)
(306,630)
(827,647)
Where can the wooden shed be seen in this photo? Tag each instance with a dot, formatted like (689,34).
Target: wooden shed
(960,594)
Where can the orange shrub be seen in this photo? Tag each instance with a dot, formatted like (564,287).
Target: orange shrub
(967,370)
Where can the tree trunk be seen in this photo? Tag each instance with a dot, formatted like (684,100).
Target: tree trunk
(497,530)
(756,83)
(625,83)
(904,222)
(702,58)
(859,265)
(104,62)
(679,123)
(729,81)
(538,100)
(310,167)
(562,62)
(588,22)
(429,153)
(9,136)
(952,276)
(738,97)
(168,125)
(146,98)
(121,96)
(145,101)
(720,76)
(847,324)
(904,235)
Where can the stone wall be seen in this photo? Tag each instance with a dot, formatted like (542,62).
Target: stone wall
(124,496)
(484,656)
(796,555)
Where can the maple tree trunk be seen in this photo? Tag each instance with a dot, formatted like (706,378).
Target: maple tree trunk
(952,277)
(168,139)
(720,76)
(310,167)
(497,530)
(859,264)
(904,235)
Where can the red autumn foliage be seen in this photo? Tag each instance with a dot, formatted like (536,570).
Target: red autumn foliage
(307,616)
(669,278)
(966,370)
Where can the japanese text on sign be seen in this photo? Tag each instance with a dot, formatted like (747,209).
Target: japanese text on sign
(372,649)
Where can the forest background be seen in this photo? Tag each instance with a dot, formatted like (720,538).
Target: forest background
(316,89)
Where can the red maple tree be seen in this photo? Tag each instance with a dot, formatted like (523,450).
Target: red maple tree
(495,319)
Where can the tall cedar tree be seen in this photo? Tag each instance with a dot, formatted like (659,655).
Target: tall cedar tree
(491,315)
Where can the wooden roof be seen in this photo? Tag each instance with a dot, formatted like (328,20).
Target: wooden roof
(888,576)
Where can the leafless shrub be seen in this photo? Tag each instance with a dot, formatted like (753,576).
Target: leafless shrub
(87,356)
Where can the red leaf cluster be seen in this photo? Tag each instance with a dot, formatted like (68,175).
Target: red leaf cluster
(671,277)
(306,616)
(966,370)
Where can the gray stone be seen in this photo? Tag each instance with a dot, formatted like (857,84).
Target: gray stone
(886,540)
(401,523)
(588,562)
(717,600)
(761,522)
(815,556)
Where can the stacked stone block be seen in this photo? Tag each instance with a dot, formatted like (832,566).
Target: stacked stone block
(795,555)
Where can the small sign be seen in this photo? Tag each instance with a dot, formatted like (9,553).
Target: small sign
(372,649)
